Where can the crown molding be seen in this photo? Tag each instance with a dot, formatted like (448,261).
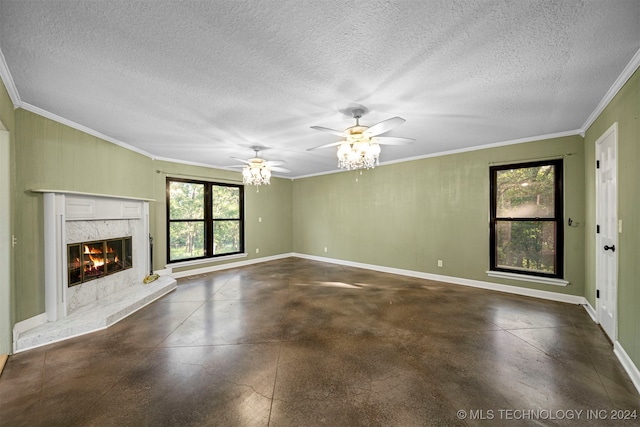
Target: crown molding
(626,74)
(491,145)
(628,71)
(7,79)
(190,163)
(82,128)
(461,150)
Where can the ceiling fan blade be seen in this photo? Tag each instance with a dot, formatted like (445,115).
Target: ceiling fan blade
(277,169)
(385,126)
(393,140)
(241,160)
(274,162)
(331,131)
(236,166)
(333,144)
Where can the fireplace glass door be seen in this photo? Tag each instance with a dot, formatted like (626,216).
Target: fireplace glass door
(91,260)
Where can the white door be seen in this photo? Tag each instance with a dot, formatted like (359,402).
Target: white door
(607,231)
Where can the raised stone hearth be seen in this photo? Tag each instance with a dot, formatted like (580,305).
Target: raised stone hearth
(97,315)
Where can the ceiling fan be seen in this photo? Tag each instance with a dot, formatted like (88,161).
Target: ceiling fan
(360,147)
(257,171)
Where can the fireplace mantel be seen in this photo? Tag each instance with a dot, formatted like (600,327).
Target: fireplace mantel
(80,193)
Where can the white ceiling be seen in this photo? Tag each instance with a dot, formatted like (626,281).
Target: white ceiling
(201,81)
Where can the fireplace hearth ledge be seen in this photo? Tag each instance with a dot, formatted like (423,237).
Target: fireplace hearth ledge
(96,316)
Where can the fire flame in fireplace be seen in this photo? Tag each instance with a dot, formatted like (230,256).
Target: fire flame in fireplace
(95,255)
(91,260)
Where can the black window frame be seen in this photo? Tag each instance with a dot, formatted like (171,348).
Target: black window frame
(558,217)
(208,219)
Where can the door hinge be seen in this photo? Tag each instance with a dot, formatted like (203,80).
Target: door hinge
(597,229)
(597,164)
(597,293)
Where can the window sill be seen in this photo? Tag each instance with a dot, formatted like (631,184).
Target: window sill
(527,278)
(205,261)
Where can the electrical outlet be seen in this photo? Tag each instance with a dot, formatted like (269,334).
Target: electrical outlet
(439,263)
(259,219)
(257,250)
(14,241)
(325,249)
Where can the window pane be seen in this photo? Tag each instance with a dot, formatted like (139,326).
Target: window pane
(186,240)
(526,192)
(226,202)
(186,200)
(226,237)
(526,245)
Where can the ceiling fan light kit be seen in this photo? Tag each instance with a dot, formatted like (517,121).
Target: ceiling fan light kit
(361,147)
(256,173)
(358,155)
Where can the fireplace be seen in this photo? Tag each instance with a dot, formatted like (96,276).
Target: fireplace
(91,260)
(95,246)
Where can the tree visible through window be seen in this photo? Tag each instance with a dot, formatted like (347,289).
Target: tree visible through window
(203,219)
(526,218)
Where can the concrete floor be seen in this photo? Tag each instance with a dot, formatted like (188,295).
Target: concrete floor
(298,342)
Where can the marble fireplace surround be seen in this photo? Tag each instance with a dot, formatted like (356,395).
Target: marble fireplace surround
(92,290)
(72,217)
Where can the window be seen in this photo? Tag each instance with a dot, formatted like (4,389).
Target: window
(204,219)
(526,218)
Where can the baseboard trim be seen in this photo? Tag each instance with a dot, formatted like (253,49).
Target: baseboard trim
(30,323)
(27,324)
(211,268)
(547,295)
(589,309)
(627,364)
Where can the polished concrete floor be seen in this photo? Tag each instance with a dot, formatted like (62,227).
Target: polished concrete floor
(299,342)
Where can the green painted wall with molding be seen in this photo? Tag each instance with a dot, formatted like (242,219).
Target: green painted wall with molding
(53,156)
(625,110)
(410,215)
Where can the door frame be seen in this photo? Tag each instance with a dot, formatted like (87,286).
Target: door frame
(6,336)
(612,130)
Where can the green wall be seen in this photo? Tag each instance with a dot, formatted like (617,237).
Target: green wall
(409,215)
(625,110)
(7,115)
(272,203)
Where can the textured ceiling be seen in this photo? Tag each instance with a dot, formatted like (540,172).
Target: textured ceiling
(201,81)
